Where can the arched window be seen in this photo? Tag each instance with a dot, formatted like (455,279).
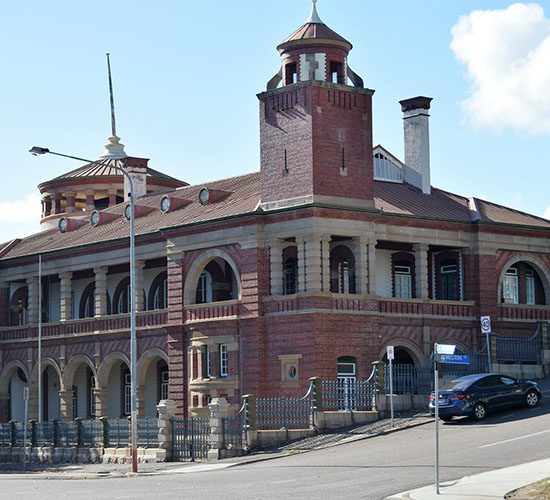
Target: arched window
(158,293)
(122,297)
(342,270)
(217,282)
(87,302)
(18,307)
(204,288)
(290,277)
(522,285)
(448,280)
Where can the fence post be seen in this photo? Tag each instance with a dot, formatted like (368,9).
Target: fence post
(250,422)
(78,421)
(12,433)
(54,432)
(32,432)
(219,409)
(493,346)
(379,381)
(104,433)
(318,414)
(167,411)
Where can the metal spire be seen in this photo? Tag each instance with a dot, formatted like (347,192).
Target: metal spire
(113,123)
(114,149)
(314,17)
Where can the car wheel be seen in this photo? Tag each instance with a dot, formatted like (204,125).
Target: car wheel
(532,399)
(447,418)
(479,411)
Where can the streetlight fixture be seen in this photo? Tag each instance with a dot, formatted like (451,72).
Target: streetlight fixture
(35,150)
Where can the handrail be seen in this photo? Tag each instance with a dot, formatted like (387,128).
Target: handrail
(372,373)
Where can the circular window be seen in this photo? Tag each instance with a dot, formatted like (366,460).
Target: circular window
(292,372)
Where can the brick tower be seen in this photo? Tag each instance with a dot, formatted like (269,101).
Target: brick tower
(315,129)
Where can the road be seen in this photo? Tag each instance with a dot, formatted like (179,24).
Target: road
(369,469)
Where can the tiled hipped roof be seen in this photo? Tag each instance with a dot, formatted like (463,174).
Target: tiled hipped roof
(244,198)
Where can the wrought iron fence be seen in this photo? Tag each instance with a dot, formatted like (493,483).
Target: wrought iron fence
(518,349)
(285,412)
(5,434)
(117,431)
(43,434)
(234,432)
(18,432)
(409,379)
(91,432)
(349,394)
(148,432)
(190,438)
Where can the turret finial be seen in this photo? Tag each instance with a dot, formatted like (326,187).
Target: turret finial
(314,17)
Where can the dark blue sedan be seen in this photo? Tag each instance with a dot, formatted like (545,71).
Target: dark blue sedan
(476,395)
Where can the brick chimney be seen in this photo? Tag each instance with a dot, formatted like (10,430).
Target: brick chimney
(417,142)
(137,168)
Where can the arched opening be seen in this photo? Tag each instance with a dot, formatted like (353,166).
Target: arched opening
(522,284)
(17,384)
(83,386)
(155,387)
(119,394)
(18,307)
(50,394)
(216,282)
(122,297)
(402,356)
(342,270)
(87,302)
(158,292)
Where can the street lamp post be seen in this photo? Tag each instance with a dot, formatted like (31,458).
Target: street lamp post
(35,150)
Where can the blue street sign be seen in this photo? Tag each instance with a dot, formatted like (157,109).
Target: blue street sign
(460,359)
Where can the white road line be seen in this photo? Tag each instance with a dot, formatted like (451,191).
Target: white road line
(514,439)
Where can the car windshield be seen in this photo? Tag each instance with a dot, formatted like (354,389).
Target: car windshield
(457,385)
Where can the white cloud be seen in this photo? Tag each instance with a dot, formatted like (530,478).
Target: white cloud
(25,210)
(547,212)
(20,218)
(507,54)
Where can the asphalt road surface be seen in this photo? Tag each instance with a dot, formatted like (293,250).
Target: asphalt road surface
(369,469)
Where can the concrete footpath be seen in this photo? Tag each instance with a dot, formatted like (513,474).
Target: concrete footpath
(490,485)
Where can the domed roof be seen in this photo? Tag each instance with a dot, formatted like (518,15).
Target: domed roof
(313,30)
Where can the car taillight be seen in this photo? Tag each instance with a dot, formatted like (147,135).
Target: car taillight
(432,397)
(459,396)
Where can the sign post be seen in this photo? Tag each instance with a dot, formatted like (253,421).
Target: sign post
(391,356)
(486,329)
(26,399)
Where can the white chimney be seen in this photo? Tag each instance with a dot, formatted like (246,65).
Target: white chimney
(417,142)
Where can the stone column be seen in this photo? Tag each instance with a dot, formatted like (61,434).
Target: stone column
(276,267)
(140,401)
(421,270)
(192,353)
(47,205)
(301,265)
(219,409)
(90,201)
(112,197)
(66,404)
(32,304)
(100,396)
(201,361)
(167,411)
(361,265)
(140,302)
(66,301)
(175,285)
(4,304)
(325,262)
(100,291)
(313,263)
(371,266)
(56,204)
(71,201)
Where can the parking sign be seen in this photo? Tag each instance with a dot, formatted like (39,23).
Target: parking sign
(391,354)
(485,324)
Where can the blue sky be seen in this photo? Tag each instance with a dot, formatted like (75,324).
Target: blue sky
(186,74)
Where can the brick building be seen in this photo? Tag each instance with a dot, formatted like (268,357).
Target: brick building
(252,284)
